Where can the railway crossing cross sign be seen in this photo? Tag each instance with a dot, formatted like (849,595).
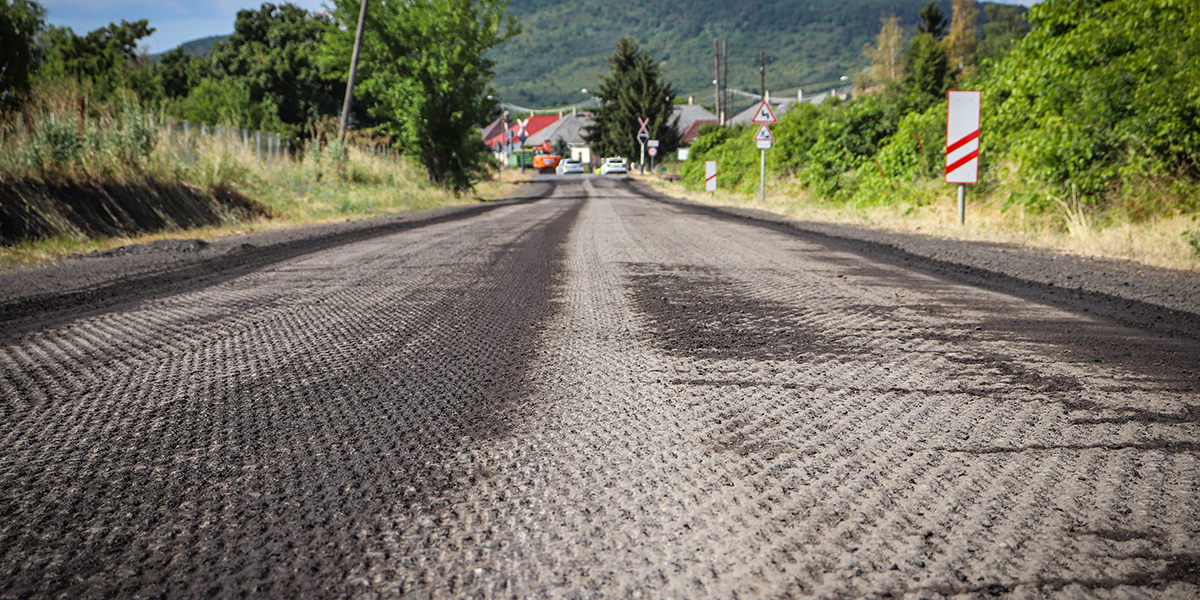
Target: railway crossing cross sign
(643,131)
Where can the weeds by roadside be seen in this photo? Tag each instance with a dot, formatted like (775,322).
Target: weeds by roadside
(124,179)
(932,210)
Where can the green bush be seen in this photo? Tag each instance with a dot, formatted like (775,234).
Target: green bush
(846,140)
(1100,94)
(914,152)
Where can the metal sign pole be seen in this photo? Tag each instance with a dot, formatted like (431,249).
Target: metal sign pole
(762,177)
(642,162)
(962,204)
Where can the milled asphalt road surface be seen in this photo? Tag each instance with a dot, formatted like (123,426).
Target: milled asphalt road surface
(591,395)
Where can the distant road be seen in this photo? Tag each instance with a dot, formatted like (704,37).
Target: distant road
(595,393)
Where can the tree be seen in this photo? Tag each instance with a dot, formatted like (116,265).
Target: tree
(887,53)
(105,57)
(425,64)
(1005,26)
(20,22)
(272,53)
(933,21)
(633,89)
(960,44)
(928,72)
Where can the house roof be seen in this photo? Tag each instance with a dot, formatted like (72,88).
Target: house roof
(688,114)
(782,105)
(536,123)
(693,131)
(493,129)
(569,128)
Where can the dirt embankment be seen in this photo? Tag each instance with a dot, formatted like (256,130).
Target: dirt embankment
(33,209)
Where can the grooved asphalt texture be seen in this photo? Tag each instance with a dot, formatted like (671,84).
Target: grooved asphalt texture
(594,395)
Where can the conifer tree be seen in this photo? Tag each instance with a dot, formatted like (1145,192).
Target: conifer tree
(633,89)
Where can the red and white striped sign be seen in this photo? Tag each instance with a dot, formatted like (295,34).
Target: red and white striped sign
(710,175)
(962,136)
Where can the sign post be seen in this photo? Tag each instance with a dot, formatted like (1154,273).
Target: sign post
(653,146)
(764,116)
(643,136)
(962,143)
(710,175)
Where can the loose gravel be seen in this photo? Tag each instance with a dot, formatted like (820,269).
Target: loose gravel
(599,395)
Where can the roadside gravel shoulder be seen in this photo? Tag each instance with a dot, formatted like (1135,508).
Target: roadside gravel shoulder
(1163,301)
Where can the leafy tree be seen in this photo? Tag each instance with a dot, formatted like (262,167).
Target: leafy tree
(887,54)
(179,72)
(1100,95)
(20,22)
(228,101)
(272,53)
(960,44)
(105,57)
(633,89)
(933,21)
(424,63)
(1005,26)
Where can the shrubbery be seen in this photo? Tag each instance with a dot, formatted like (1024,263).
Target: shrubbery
(1097,103)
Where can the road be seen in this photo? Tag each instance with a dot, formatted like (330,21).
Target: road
(594,395)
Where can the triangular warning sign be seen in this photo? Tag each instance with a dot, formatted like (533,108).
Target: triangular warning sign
(764,134)
(764,114)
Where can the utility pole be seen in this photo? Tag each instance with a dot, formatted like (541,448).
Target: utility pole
(362,16)
(724,78)
(762,73)
(717,74)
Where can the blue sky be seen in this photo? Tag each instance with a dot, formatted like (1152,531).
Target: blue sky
(175,21)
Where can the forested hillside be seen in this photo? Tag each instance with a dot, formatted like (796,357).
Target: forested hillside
(564,44)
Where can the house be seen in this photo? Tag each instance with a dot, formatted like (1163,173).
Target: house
(569,128)
(691,118)
(782,105)
(533,125)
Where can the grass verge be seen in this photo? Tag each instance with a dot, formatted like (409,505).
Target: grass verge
(1164,241)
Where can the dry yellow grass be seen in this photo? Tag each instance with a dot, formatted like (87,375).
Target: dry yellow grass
(307,192)
(1157,241)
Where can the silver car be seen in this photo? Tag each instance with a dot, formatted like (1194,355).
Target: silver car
(569,166)
(613,165)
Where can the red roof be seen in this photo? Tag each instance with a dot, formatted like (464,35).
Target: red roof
(536,123)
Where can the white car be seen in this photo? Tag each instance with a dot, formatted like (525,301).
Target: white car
(568,166)
(613,165)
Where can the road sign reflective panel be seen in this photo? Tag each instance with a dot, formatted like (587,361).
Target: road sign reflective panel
(764,114)
(710,175)
(764,135)
(962,136)
(643,130)
(653,151)
(652,144)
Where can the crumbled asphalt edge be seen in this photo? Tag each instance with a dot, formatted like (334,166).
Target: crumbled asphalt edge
(1093,287)
(200,265)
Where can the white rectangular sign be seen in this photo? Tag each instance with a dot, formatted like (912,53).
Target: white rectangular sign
(652,144)
(710,175)
(962,136)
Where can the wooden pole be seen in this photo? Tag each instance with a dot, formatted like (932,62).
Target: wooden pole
(362,16)
(717,75)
